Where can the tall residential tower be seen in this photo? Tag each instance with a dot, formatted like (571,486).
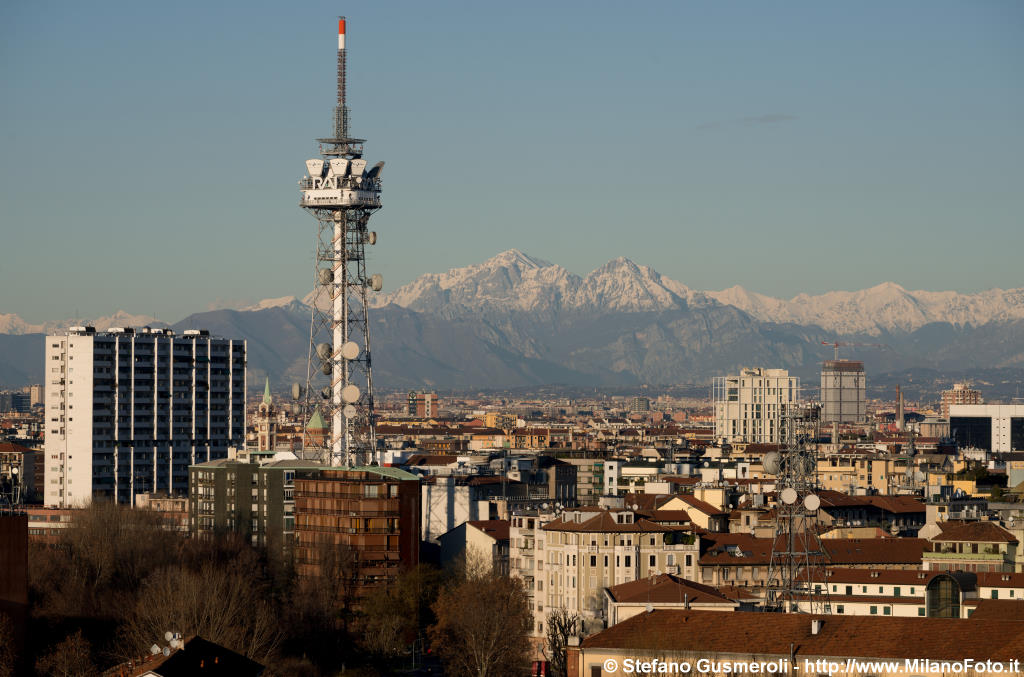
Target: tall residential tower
(128,410)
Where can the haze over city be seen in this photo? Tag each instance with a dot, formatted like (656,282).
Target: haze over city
(798,149)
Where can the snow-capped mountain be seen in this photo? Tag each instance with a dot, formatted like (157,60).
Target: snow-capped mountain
(886,307)
(14,325)
(514,281)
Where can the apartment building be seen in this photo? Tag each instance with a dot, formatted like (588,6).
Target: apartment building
(753,405)
(568,560)
(362,523)
(129,410)
(256,501)
(962,393)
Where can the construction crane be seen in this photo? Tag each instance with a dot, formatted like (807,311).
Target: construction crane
(835,346)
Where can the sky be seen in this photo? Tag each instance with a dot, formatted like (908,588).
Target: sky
(150,151)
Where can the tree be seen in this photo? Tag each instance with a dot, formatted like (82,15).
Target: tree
(560,626)
(225,605)
(394,616)
(70,658)
(482,626)
(8,658)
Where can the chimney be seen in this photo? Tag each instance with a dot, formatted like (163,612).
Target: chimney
(816,626)
(899,409)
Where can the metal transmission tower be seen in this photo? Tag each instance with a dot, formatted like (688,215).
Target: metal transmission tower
(341,193)
(797,570)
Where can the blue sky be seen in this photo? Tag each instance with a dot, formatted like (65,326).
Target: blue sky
(150,151)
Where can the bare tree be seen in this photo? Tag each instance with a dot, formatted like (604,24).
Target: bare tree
(70,658)
(223,605)
(560,626)
(482,626)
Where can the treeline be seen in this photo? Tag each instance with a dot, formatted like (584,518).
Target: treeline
(115,582)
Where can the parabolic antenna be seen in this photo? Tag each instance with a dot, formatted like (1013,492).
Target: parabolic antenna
(296,391)
(350,393)
(358,166)
(376,282)
(315,168)
(326,367)
(812,502)
(338,167)
(326,393)
(788,496)
(371,237)
(919,476)
(810,465)
(324,351)
(350,350)
(154,649)
(324,276)
(166,651)
(349,411)
(170,635)
(771,462)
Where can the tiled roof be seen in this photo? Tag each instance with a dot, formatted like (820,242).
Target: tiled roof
(700,506)
(496,529)
(666,589)
(670,516)
(999,579)
(975,532)
(605,523)
(999,609)
(757,551)
(843,575)
(707,632)
(896,504)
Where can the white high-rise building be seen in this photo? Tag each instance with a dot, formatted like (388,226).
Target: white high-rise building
(842,392)
(128,410)
(753,406)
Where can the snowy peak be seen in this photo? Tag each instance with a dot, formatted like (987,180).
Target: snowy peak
(621,284)
(513,258)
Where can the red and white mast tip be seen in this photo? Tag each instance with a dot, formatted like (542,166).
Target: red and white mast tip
(341,33)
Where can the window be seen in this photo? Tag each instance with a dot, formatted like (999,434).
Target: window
(849,590)
(593,560)
(896,591)
(920,611)
(874,610)
(653,561)
(995,594)
(839,608)
(689,560)
(627,560)
(370,490)
(887,610)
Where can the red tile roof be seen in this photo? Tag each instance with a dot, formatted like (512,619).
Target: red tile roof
(496,529)
(757,551)
(604,522)
(701,506)
(666,589)
(999,609)
(973,532)
(709,632)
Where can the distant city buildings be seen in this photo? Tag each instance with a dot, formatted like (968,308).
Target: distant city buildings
(421,404)
(753,406)
(639,405)
(129,410)
(842,392)
(962,393)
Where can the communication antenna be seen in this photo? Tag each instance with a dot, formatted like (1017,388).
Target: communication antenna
(341,195)
(798,567)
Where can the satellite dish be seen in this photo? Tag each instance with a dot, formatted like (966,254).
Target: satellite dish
(707,464)
(358,166)
(296,391)
(376,282)
(812,502)
(635,506)
(371,237)
(771,462)
(326,393)
(349,411)
(166,651)
(544,505)
(325,276)
(350,393)
(374,171)
(788,496)
(919,476)
(350,350)
(170,635)
(338,167)
(324,351)
(338,216)
(315,168)
(326,367)
(154,649)
(296,409)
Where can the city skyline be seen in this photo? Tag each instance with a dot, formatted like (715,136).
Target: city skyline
(786,132)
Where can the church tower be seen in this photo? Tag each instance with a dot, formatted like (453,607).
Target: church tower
(266,426)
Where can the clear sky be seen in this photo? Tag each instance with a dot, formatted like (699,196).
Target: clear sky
(150,151)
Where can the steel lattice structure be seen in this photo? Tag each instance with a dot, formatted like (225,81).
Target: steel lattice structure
(342,194)
(797,572)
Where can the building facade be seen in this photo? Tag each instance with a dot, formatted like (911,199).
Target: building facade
(129,410)
(842,392)
(962,393)
(753,406)
(992,427)
(361,523)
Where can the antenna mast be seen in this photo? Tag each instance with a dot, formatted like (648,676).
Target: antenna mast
(342,194)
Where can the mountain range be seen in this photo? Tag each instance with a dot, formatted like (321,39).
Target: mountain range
(516,320)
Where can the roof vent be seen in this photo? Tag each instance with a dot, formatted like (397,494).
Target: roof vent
(816,626)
